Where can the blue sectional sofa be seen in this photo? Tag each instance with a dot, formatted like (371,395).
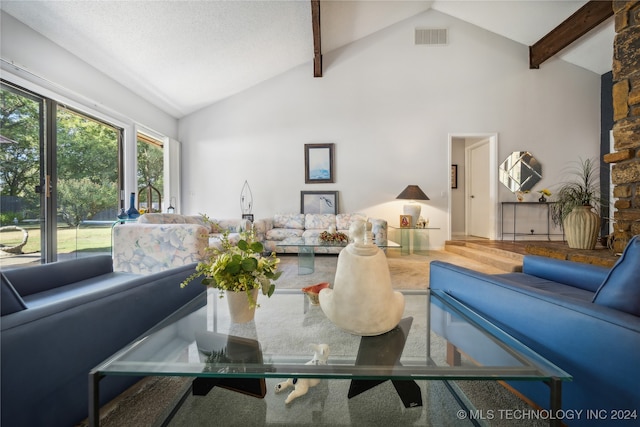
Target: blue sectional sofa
(583,318)
(60,320)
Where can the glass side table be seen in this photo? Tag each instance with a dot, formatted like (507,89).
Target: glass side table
(413,240)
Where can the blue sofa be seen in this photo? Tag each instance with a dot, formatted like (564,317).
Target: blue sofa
(60,320)
(583,318)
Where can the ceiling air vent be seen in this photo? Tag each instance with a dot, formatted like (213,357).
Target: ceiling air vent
(431,36)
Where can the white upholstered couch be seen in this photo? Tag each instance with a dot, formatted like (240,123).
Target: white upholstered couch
(159,241)
(272,231)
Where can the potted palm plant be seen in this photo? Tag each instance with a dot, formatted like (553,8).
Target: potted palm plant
(574,206)
(240,271)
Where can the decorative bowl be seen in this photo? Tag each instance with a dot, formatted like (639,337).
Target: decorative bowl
(313,292)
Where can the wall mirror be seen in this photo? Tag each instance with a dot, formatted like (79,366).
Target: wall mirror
(520,171)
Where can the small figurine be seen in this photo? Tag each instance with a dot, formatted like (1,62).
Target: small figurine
(301,385)
(422,223)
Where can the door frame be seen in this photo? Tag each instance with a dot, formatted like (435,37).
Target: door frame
(492,138)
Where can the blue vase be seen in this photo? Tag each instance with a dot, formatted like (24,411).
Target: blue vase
(133,212)
(123,214)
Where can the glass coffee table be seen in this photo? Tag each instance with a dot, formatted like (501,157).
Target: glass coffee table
(307,247)
(438,339)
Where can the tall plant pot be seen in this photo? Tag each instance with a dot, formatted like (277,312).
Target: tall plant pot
(581,226)
(239,306)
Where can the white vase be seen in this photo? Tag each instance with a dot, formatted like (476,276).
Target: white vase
(239,306)
(581,226)
(412,209)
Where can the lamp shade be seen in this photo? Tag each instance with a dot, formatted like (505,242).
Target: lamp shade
(412,192)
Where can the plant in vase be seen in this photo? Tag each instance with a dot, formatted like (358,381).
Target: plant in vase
(238,268)
(574,204)
(544,193)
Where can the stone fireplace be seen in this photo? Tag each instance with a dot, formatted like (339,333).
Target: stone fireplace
(625,173)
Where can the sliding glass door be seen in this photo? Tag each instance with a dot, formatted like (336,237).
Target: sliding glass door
(60,180)
(86,183)
(22,179)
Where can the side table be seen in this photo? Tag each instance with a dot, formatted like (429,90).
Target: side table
(545,206)
(413,239)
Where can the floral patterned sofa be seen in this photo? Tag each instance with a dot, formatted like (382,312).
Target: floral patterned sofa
(272,231)
(159,241)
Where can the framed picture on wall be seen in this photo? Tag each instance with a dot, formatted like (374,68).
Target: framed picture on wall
(319,202)
(318,163)
(454,176)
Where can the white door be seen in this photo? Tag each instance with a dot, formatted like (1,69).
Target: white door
(478,194)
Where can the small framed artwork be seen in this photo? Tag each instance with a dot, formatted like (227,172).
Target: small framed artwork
(405,221)
(320,202)
(248,216)
(454,176)
(318,163)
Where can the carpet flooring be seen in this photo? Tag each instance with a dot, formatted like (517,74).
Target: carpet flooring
(150,401)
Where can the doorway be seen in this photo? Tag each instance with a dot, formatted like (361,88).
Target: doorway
(473,204)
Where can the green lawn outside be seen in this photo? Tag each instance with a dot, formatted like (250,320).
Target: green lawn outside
(84,239)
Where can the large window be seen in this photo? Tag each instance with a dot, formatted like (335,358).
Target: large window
(87,183)
(21,136)
(150,174)
(59,180)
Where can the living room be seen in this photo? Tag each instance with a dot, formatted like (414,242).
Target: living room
(388,106)
(397,113)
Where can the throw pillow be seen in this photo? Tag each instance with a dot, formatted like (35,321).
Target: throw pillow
(621,287)
(10,300)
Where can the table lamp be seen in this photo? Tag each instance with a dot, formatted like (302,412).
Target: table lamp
(413,193)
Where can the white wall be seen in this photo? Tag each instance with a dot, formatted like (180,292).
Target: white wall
(388,106)
(46,66)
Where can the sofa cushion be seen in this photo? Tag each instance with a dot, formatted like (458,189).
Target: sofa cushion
(9,298)
(215,239)
(312,233)
(621,287)
(288,221)
(230,225)
(197,219)
(161,218)
(319,221)
(39,278)
(343,221)
(545,286)
(283,233)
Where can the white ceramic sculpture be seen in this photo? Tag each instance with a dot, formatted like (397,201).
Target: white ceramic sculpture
(362,300)
(301,385)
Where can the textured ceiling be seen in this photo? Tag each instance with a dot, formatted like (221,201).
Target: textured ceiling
(184,55)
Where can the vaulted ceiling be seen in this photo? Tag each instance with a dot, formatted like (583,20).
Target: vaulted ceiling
(158,49)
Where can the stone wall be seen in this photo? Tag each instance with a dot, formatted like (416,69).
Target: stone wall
(625,173)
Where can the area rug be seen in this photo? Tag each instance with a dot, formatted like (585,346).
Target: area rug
(407,272)
(149,402)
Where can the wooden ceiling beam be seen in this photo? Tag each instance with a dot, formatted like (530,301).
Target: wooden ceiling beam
(317,50)
(589,16)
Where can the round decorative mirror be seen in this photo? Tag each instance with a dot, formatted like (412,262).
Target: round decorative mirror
(520,171)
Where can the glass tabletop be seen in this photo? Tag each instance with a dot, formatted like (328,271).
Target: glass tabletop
(316,242)
(438,338)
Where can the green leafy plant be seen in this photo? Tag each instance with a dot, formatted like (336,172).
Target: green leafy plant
(583,190)
(238,268)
